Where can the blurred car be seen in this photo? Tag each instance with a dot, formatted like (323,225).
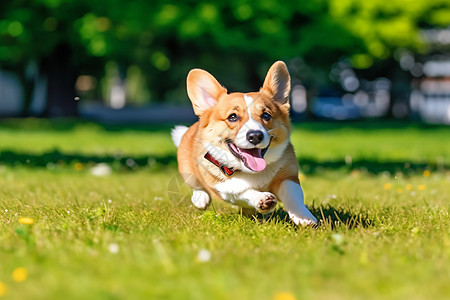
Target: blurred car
(430,98)
(361,99)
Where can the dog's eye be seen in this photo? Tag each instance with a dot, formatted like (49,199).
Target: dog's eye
(266,116)
(233,118)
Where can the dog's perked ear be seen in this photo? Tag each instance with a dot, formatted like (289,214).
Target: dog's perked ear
(278,83)
(203,90)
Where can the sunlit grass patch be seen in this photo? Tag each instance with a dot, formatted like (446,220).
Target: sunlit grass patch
(130,232)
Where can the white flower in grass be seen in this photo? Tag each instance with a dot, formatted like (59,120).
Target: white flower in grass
(338,239)
(101,169)
(113,248)
(203,256)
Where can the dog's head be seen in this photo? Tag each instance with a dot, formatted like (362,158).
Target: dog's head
(244,131)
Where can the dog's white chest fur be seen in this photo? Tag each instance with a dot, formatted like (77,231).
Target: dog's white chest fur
(232,189)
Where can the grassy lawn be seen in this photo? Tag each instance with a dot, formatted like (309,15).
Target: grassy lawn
(381,191)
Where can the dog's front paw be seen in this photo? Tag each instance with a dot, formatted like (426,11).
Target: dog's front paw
(303,220)
(200,199)
(266,203)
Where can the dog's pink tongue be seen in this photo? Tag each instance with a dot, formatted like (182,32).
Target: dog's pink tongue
(253,159)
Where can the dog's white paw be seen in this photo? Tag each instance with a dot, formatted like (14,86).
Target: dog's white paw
(200,199)
(266,202)
(309,220)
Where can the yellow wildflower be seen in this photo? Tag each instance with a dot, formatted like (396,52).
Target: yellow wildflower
(284,296)
(388,186)
(426,173)
(19,274)
(421,187)
(301,177)
(363,258)
(409,187)
(78,166)
(355,173)
(3,289)
(26,221)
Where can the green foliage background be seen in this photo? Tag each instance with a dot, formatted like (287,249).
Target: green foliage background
(238,39)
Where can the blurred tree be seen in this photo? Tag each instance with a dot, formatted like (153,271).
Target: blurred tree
(42,31)
(238,39)
(384,26)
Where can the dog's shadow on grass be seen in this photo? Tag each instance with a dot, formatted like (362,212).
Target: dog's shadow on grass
(327,217)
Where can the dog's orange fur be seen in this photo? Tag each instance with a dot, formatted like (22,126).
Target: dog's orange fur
(214,105)
(212,123)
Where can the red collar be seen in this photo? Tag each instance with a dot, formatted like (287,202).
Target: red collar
(225,170)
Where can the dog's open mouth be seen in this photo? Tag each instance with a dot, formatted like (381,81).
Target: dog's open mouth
(253,159)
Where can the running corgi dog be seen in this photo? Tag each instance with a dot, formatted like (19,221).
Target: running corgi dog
(239,150)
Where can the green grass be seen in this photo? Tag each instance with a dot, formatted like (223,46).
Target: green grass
(384,234)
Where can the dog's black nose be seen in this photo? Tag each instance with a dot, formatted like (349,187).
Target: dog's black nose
(255,136)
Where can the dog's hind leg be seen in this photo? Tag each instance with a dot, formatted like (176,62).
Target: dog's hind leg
(262,202)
